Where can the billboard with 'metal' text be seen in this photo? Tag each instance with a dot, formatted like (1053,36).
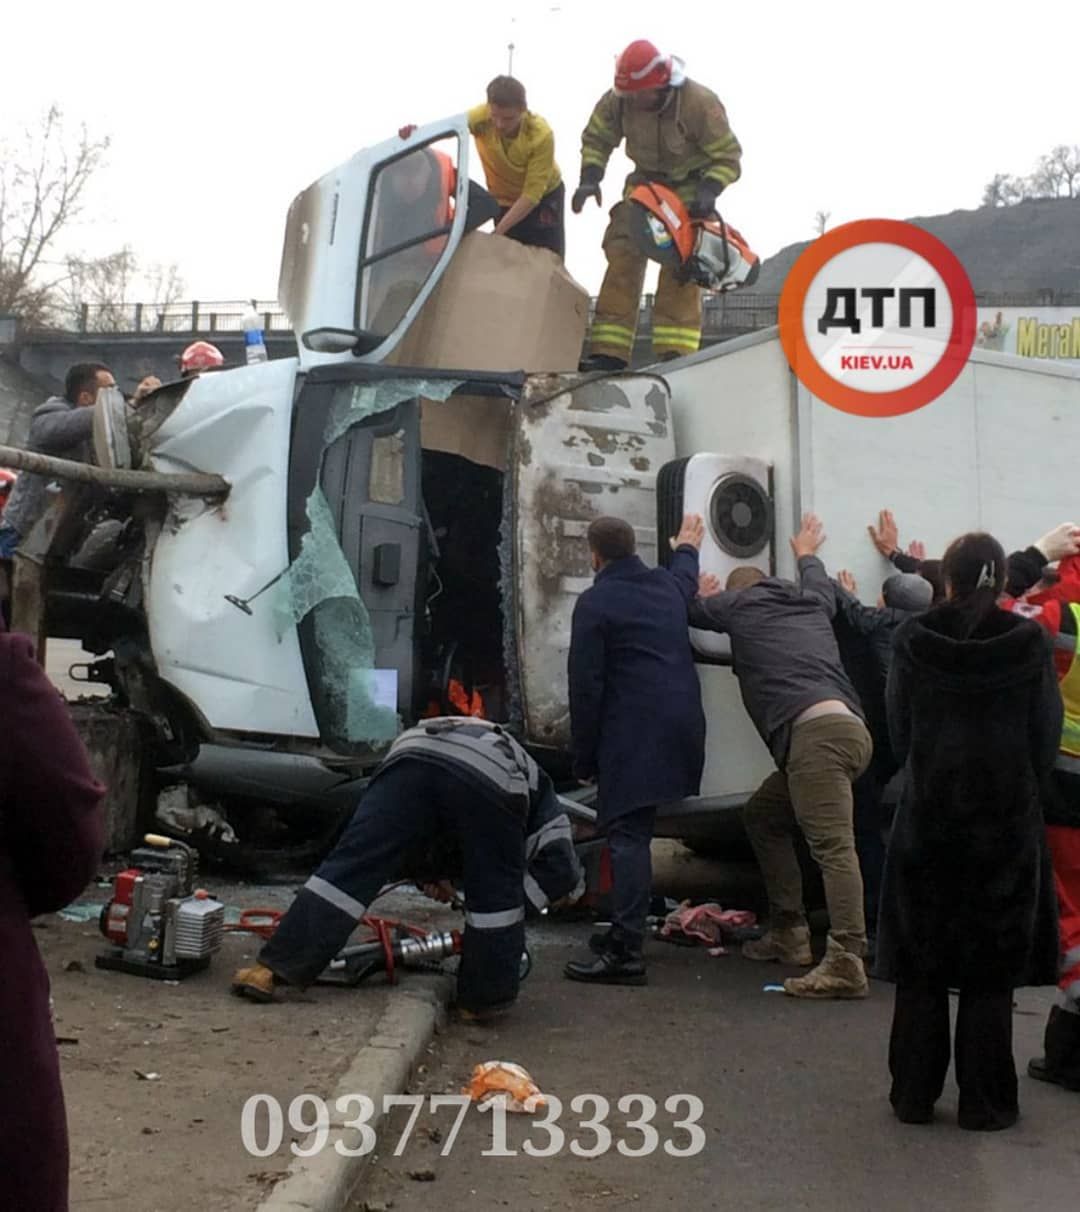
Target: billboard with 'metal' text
(1030,332)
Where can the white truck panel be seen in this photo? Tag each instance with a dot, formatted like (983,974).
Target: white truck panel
(997,451)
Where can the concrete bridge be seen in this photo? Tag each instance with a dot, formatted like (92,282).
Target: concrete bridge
(136,340)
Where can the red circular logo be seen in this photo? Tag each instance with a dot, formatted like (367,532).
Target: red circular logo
(877,318)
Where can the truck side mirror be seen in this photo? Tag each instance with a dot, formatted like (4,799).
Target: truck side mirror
(341,340)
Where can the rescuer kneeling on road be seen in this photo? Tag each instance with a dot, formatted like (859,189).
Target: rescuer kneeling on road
(453,796)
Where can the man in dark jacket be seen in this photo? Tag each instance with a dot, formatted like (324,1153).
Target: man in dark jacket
(864,635)
(805,709)
(51,841)
(62,426)
(636,718)
(454,796)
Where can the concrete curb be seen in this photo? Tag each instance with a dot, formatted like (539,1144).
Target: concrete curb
(328,1181)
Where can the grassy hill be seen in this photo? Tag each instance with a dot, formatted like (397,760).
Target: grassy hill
(1022,250)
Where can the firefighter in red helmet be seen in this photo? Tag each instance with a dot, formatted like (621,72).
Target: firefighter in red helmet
(677,134)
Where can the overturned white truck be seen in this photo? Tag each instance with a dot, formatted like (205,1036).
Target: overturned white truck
(396,537)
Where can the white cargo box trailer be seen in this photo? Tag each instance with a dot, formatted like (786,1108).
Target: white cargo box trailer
(997,451)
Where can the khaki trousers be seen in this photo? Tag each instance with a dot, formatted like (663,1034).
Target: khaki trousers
(813,793)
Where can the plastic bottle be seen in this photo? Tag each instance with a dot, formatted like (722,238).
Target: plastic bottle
(254,343)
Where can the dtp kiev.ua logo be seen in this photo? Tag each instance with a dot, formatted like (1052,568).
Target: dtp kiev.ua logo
(877,318)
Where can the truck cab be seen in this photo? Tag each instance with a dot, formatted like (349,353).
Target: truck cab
(397,540)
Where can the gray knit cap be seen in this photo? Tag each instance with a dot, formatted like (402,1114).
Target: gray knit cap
(907,591)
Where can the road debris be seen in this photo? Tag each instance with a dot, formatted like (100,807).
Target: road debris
(505,1082)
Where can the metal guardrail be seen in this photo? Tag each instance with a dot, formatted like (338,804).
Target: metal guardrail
(187,317)
(733,312)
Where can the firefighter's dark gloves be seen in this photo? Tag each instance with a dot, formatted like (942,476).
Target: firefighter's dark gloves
(585,191)
(704,202)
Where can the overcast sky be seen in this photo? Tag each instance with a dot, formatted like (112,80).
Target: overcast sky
(219,113)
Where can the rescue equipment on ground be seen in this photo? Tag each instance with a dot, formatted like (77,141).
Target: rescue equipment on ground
(706,252)
(158,926)
(390,945)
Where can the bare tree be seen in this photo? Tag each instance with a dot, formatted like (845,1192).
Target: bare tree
(1046,179)
(164,285)
(42,187)
(821,221)
(1066,162)
(1003,190)
(103,286)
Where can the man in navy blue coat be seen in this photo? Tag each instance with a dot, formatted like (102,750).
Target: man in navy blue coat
(636,718)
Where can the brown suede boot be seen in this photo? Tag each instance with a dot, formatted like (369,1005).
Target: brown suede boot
(786,944)
(840,974)
(255,983)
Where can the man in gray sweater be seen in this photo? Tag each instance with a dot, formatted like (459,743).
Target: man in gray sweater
(63,426)
(806,710)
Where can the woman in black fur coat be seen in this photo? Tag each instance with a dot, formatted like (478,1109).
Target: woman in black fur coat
(968,896)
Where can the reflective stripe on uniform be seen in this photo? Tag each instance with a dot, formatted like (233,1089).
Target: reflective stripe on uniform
(618,331)
(616,339)
(1070,959)
(537,897)
(340,900)
(676,338)
(495,921)
(551,831)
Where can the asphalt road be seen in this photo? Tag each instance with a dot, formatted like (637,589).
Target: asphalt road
(793,1095)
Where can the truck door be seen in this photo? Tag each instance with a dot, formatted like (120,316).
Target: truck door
(583,449)
(366,244)
(355,501)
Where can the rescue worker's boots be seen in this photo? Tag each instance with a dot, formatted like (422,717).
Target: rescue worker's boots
(785,944)
(617,963)
(1061,1063)
(256,983)
(841,974)
(598,362)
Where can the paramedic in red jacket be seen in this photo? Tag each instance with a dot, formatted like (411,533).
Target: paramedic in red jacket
(51,840)
(1053,600)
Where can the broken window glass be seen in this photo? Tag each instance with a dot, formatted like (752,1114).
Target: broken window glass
(320,583)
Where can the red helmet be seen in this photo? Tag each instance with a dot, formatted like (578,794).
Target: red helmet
(201,355)
(642,67)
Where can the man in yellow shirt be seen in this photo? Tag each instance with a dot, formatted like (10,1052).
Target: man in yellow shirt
(517,150)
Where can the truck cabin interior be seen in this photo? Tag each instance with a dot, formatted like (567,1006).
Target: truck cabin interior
(414,483)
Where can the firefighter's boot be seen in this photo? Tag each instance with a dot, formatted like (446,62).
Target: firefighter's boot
(601,362)
(1061,1062)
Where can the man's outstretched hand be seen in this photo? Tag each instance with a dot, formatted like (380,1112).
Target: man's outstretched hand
(708,585)
(847,581)
(692,533)
(885,535)
(810,537)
